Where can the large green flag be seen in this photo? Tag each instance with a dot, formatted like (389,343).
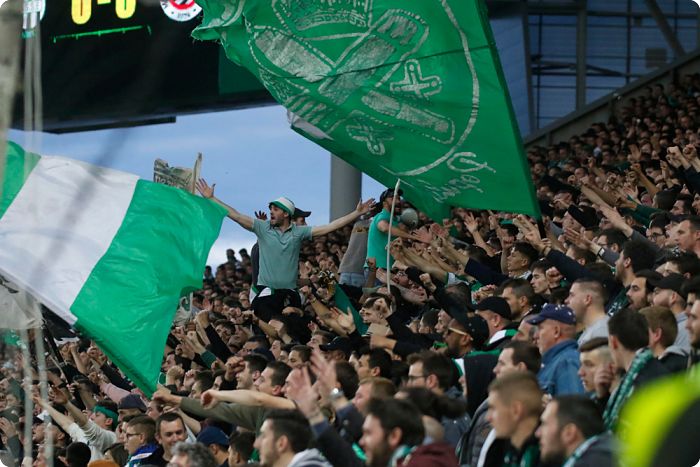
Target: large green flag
(399,89)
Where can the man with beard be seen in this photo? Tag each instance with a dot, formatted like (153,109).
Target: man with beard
(378,236)
(572,433)
(253,366)
(284,441)
(439,374)
(279,240)
(393,431)
(640,292)
(636,255)
(465,334)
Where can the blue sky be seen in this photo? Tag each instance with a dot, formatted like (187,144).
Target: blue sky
(252,155)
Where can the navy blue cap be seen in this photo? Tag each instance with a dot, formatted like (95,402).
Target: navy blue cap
(212,435)
(132,401)
(561,313)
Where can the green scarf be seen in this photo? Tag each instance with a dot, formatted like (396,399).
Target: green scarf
(624,391)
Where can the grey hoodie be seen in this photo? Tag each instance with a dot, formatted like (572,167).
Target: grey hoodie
(309,458)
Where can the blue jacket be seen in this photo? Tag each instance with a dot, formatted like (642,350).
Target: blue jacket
(559,372)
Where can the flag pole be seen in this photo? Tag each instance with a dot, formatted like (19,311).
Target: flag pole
(10,38)
(388,241)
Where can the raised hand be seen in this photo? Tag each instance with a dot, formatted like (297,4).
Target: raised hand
(325,373)
(438,231)
(262,215)
(344,320)
(470,222)
(7,427)
(423,236)
(164,396)
(690,152)
(365,207)
(603,380)
(577,238)
(300,390)
(204,189)
(209,399)
(372,263)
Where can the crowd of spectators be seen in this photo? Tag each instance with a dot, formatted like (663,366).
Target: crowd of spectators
(486,339)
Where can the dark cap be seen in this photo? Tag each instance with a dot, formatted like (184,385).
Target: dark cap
(299,213)
(498,305)
(475,326)
(212,435)
(584,215)
(389,193)
(264,353)
(338,343)
(673,281)
(132,401)
(561,313)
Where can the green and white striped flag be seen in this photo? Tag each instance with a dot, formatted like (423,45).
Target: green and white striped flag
(109,253)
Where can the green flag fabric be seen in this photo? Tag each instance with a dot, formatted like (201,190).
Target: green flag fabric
(399,89)
(107,252)
(342,302)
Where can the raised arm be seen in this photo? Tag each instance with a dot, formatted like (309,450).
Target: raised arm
(64,421)
(212,397)
(361,208)
(208,192)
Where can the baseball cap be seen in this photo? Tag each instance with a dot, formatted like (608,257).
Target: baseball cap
(299,213)
(338,343)
(265,353)
(475,326)
(132,401)
(212,435)
(388,193)
(498,305)
(673,281)
(284,204)
(561,313)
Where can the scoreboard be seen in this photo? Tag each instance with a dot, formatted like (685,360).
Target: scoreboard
(109,63)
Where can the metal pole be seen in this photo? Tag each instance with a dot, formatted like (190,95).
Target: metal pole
(666,30)
(346,187)
(10,38)
(581,40)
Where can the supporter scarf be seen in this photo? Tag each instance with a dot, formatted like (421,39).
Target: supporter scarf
(624,391)
(580,451)
(400,452)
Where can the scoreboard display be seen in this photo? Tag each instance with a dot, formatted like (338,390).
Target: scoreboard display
(112,63)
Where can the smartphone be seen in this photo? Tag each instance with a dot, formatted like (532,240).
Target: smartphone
(541,228)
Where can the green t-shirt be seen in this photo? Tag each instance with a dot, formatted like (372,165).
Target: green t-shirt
(377,240)
(279,253)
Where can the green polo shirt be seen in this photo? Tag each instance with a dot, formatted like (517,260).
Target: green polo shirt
(279,253)
(377,240)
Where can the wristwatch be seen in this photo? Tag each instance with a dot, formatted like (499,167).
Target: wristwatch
(336,394)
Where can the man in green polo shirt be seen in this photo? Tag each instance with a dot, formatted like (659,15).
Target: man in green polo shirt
(379,229)
(280,240)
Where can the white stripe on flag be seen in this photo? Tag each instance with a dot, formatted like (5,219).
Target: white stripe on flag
(59,226)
